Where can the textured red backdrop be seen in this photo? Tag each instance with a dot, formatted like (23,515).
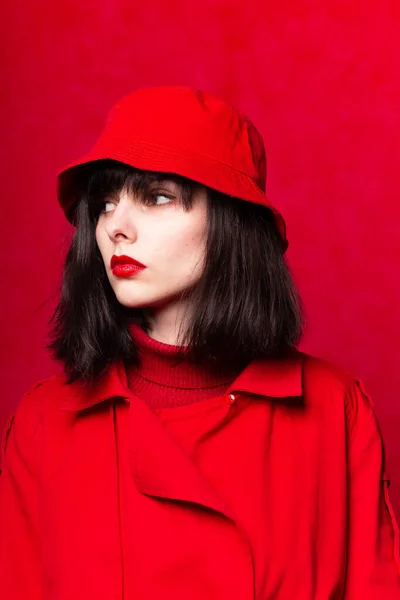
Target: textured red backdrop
(321,81)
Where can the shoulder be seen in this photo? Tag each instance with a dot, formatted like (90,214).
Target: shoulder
(20,440)
(40,398)
(319,372)
(325,380)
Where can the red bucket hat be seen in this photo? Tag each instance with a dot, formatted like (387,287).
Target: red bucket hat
(184,131)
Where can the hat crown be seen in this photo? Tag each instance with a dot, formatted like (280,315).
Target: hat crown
(193,120)
(176,129)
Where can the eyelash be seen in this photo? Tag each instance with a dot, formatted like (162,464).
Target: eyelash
(148,200)
(155,195)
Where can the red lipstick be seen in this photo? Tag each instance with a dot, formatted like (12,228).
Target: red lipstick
(125,266)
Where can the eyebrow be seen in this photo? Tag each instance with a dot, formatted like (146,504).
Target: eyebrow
(165,181)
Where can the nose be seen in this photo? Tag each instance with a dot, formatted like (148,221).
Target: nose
(120,224)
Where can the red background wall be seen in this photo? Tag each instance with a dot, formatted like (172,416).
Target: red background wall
(321,81)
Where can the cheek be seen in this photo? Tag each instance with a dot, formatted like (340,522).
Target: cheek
(100,240)
(97,233)
(103,245)
(186,250)
(179,240)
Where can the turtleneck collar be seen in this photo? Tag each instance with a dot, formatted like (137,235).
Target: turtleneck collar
(163,382)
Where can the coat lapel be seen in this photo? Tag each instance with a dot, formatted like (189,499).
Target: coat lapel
(159,465)
(161,468)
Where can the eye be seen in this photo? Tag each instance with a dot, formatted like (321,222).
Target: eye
(162,199)
(107,206)
(158,199)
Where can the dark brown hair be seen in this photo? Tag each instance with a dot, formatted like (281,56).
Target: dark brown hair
(246,305)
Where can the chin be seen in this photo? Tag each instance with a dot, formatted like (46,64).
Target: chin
(132,303)
(136,301)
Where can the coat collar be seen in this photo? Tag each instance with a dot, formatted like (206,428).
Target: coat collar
(277,378)
(272,377)
(78,396)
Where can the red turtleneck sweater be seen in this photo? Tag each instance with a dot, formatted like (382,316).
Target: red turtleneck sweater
(161,383)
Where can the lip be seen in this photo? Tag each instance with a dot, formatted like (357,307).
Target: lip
(125,260)
(125,266)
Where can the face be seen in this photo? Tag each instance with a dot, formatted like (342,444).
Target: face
(159,233)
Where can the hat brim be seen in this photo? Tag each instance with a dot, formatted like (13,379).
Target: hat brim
(150,156)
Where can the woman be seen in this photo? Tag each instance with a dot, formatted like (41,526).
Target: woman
(190,451)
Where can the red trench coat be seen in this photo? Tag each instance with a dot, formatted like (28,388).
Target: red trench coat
(277,490)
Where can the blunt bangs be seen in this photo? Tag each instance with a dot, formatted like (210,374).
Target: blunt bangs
(107,176)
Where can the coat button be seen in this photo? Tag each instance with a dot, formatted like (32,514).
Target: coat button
(231,398)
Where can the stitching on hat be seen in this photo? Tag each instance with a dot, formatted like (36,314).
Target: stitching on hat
(194,153)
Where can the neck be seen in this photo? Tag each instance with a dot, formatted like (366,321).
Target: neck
(165,324)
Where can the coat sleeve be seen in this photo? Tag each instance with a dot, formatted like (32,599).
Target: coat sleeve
(373,571)
(19,519)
